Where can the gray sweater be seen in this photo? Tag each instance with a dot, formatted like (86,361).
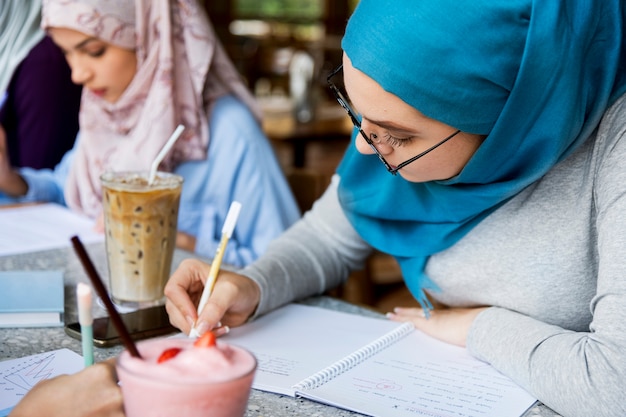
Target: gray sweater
(551,262)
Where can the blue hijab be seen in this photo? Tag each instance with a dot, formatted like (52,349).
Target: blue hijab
(535,76)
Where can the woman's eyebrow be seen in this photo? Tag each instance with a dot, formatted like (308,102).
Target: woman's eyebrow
(389,125)
(84,42)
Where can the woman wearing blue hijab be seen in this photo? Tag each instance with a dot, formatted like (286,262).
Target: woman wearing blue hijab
(488,161)
(536,88)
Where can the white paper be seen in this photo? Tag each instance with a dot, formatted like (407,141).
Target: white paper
(18,376)
(296,341)
(41,227)
(420,376)
(413,376)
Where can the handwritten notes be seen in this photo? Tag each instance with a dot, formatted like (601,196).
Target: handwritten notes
(423,377)
(373,366)
(296,341)
(18,376)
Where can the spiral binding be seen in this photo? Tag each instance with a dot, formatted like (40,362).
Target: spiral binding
(348,362)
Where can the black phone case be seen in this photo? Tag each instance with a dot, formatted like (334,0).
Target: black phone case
(141,324)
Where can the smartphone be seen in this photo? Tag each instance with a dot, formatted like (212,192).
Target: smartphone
(141,324)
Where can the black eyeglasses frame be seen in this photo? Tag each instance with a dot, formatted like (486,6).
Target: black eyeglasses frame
(343,102)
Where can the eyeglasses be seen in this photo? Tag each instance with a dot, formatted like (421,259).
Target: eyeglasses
(355,121)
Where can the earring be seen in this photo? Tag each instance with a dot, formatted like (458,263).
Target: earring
(373,137)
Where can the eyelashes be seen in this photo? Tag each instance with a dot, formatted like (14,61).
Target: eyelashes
(98,53)
(94,54)
(396,142)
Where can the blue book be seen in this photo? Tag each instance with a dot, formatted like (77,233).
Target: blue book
(31,299)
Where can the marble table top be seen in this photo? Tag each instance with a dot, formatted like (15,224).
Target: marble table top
(20,342)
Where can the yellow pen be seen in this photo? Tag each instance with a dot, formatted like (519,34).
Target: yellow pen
(227,231)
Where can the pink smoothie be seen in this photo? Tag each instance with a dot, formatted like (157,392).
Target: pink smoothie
(198,381)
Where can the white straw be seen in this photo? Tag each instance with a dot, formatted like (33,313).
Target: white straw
(166,148)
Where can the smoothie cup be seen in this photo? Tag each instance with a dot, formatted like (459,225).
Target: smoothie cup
(198,381)
(140,222)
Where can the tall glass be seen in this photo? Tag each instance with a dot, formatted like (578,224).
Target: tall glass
(140,221)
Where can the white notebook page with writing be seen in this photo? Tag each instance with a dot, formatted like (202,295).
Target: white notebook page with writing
(295,341)
(410,375)
(18,376)
(420,376)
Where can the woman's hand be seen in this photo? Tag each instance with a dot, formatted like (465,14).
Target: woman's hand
(450,325)
(90,392)
(11,183)
(233,300)
(185,241)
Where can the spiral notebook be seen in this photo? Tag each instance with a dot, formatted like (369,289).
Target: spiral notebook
(373,366)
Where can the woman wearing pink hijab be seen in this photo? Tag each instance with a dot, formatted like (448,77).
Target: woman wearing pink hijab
(147,66)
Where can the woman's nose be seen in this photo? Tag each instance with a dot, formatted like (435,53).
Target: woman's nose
(371,131)
(80,73)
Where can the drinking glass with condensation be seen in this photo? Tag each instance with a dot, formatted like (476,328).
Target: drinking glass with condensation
(140,222)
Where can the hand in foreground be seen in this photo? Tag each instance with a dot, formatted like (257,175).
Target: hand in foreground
(234,297)
(449,325)
(90,392)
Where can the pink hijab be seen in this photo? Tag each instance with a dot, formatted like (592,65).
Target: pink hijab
(181,70)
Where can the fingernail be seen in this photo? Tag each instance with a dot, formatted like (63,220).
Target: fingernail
(221,331)
(202,327)
(190,320)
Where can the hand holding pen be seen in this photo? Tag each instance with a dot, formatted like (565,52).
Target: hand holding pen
(227,231)
(234,298)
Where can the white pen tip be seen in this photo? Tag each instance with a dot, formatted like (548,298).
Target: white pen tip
(194,333)
(231,218)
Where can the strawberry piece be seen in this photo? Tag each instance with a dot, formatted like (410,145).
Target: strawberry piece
(206,340)
(168,354)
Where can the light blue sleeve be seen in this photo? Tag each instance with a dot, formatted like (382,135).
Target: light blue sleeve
(44,185)
(241,166)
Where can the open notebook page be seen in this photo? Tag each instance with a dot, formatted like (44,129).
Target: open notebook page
(295,341)
(421,376)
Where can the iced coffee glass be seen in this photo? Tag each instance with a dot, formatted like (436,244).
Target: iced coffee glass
(197,382)
(140,222)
